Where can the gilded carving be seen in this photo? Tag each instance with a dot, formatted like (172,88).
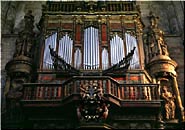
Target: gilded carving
(162,44)
(92,107)
(169,104)
(157,45)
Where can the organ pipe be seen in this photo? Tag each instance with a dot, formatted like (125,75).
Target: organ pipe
(131,42)
(105,60)
(47,61)
(116,49)
(78,59)
(91,48)
(65,48)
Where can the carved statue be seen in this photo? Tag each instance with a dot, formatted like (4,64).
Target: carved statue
(169,103)
(163,46)
(24,43)
(157,43)
(28,47)
(19,48)
(153,20)
(29,20)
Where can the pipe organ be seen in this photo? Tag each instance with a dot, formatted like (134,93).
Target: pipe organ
(89,74)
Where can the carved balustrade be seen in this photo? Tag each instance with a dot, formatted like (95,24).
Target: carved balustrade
(100,6)
(74,86)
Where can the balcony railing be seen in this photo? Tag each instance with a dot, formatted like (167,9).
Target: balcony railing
(85,6)
(127,92)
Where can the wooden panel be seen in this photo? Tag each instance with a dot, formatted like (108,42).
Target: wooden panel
(129,25)
(116,26)
(104,32)
(51,25)
(120,78)
(134,77)
(78,32)
(46,77)
(67,26)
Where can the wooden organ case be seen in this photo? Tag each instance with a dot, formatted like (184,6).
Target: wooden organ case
(91,69)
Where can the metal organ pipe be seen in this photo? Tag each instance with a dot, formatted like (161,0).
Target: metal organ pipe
(93,51)
(131,42)
(85,49)
(88,49)
(91,48)
(116,49)
(65,48)
(105,60)
(97,49)
(47,61)
(78,55)
(70,51)
(94,46)
(111,54)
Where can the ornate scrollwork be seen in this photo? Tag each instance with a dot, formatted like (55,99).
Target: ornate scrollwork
(59,63)
(123,64)
(92,107)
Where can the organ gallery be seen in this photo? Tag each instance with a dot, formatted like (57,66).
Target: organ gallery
(92,67)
